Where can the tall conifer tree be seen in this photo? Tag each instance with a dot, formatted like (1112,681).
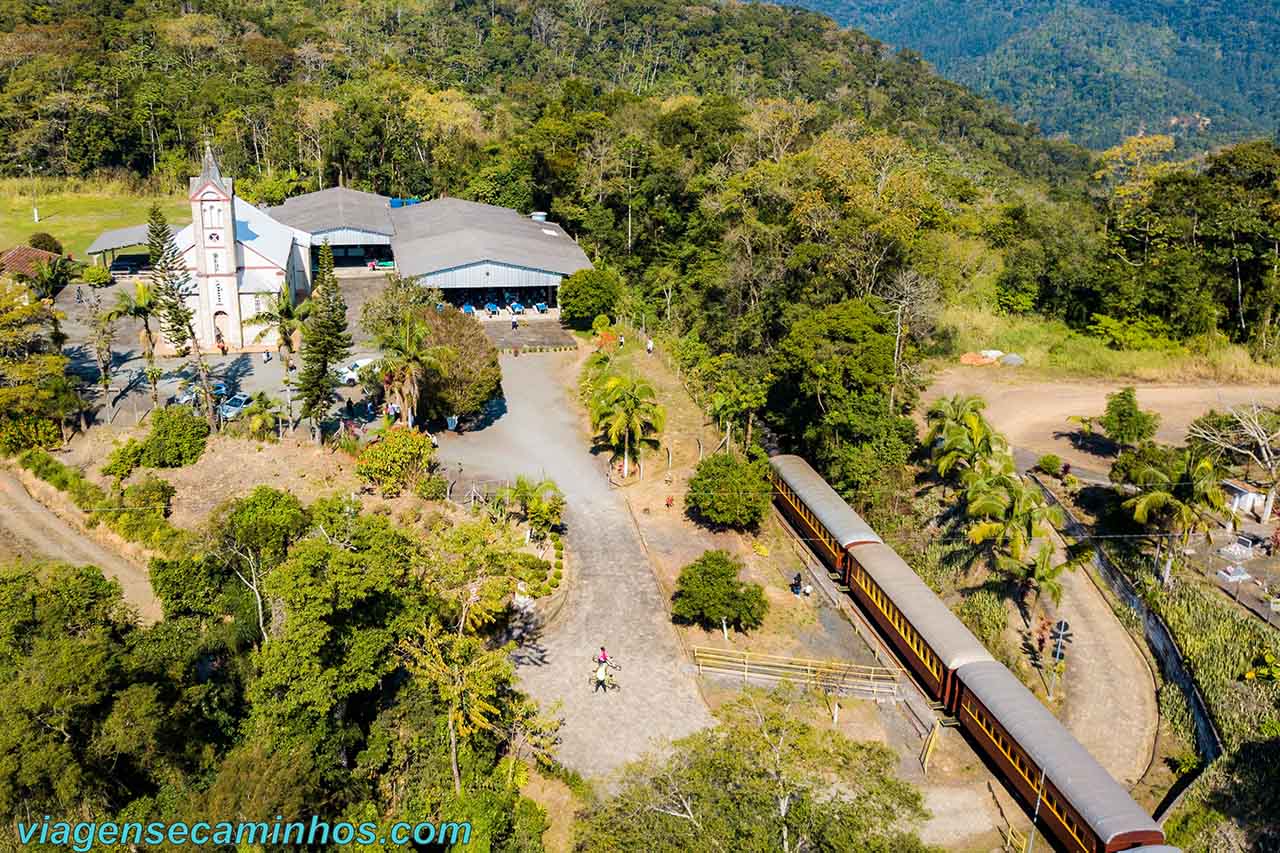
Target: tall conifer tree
(326,343)
(170,282)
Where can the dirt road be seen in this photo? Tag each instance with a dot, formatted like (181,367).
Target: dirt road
(1032,413)
(29,530)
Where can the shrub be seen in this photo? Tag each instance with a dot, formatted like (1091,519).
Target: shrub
(1125,423)
(709,594)
(397,462)
(152,494)
(178,437)
(984,613)
(587,294)
(726,490)
(95,276)
(45,241)
(123,460)
(1050,464)
(433,488)
(19,434)
(1071,482)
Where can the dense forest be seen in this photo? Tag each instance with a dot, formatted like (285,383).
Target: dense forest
(1096,71)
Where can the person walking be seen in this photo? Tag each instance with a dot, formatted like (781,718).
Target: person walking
(648,347)
(514,323)
(602,678)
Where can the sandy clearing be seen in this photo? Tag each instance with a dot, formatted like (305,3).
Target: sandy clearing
(1032,412)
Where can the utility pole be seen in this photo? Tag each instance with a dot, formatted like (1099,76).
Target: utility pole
(1061,635)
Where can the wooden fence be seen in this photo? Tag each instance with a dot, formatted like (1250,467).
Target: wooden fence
(873,682)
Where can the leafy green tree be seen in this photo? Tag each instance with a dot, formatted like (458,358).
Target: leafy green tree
(170,284)
(709,593)
(45,242)
(398,461)
(765,778)
(469,679)
(142,306)
(177,439)
(1125,423)
(968,445)
(31,363)
(325,342)
(48,277)
(730,491)
(469,375)
(587,294)
(409,358)
(252,536)
(625,411)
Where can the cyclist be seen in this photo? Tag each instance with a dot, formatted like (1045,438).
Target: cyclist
(602,677)
(603,657)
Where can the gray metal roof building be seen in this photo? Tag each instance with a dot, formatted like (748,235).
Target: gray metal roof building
(448,233)
(1099,799)
(341,215)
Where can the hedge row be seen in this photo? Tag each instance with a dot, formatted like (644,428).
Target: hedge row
(138,514)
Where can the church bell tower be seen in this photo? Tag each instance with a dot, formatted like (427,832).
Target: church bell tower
(213,226)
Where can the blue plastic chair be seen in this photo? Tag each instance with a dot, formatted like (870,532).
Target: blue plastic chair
(517,308)
(542,307)
(491,308)
(468,309)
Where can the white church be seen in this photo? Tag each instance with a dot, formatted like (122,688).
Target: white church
(239,259)
(240,256)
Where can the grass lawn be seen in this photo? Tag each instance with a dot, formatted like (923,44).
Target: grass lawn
(75,212)
(1054,350)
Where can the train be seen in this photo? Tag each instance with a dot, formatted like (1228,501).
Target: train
(1079,805)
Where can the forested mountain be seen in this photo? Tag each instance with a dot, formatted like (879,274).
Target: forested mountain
(1095,71)
(91,85)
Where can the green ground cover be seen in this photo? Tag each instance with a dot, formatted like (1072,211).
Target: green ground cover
(77,211)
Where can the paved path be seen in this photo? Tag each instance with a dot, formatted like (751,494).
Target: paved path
(1111,696)
(613,600)
(31,531)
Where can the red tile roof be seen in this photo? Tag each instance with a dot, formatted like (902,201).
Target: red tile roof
(23,260)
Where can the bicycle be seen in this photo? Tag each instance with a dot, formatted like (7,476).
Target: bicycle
(610,683)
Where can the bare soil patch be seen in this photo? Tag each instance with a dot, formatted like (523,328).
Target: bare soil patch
(560,803)
(1032,412)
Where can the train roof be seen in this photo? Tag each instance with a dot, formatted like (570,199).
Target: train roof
(950,640)
(1103,804)
(838,517)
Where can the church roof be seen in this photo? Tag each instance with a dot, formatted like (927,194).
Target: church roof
(255,230)
(333,209)
(447,233)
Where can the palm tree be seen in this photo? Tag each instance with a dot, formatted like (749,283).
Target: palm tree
(283,318)
(1179,497)
(48,277)
(466,675)
(527,492)
(949,412)
(143,307)
(626,412)
(409,358)
(966,444)
(1007,515)
(1041,576)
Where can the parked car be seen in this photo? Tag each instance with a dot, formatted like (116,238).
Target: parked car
(231,409)
(350,375)
(192,396)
